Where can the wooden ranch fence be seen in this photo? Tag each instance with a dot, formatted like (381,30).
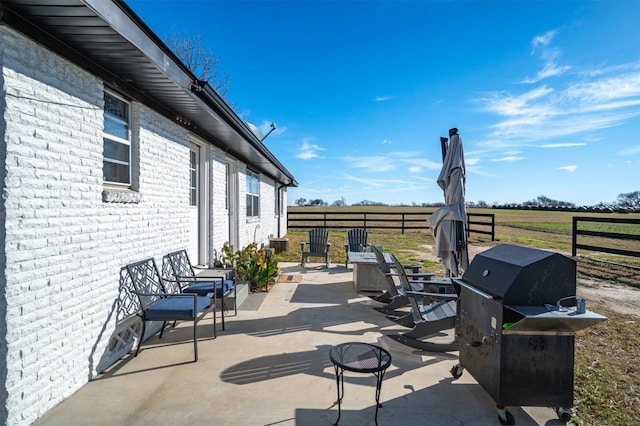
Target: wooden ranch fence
(603,236)
(479,223)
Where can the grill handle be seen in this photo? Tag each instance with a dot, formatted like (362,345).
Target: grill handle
(473,289)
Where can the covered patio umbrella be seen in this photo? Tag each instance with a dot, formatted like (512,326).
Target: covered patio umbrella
(449,223)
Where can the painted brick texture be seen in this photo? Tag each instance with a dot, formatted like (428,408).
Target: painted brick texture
(64,246)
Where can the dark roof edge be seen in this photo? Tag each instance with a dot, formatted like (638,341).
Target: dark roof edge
(241,127)
(123,20)
(175,68)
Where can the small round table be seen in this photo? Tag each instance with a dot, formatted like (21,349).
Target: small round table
(359,358)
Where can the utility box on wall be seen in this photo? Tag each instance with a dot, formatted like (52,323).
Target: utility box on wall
(279,244)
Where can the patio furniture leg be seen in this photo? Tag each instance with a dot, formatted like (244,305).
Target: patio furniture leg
(144,326)
(379,377)
(195,330)
(215,314)
(340,387)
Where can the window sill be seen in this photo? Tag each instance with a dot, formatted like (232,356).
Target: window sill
(122,196)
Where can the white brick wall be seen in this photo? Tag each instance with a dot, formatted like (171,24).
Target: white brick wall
(64,246)
(219,211)
(52,192)
(257,229)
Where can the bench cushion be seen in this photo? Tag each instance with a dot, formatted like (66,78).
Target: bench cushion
(202,288)
(171,308)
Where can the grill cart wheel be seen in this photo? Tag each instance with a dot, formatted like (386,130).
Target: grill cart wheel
(505,417)
(456,371)
(564,414)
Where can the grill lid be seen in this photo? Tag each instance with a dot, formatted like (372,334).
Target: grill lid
(522,276)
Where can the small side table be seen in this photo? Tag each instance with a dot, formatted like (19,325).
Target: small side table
(359,358)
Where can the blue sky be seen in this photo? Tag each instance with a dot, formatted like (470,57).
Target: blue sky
(545,94)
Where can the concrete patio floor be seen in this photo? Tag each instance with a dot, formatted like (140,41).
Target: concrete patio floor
(271,367)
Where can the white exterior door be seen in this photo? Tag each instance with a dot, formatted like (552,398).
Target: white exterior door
(195,201)
(232,202)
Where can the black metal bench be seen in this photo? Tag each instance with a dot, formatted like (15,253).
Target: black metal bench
(217,281)
(161,300)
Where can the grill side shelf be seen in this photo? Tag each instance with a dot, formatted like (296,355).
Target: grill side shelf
(542,320)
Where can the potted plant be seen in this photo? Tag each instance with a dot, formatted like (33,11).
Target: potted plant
(252,264)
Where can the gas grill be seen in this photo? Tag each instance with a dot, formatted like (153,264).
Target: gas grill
(516,319)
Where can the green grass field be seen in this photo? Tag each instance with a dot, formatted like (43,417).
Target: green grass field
(550,230)
(607,376)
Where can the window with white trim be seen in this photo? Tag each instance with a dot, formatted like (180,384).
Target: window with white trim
(116,138)
(253,194)
(193,178)
(227,181)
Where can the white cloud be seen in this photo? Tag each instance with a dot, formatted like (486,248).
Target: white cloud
(391,161)
(308,151)
(536,117)
(632,150)
(549,57)
(509,105)
(509,158)
(383,98)
(562,145)
(376,163)
(471,161)
(386,142)
(544,39)
(377,182)
(571,168)
(614,69)
(415,169)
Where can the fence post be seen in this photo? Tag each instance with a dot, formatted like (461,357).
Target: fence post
(574,236)
(402,223)
(365,221)
(493,227)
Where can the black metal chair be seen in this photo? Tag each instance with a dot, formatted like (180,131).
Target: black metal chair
(159,301)
(357,242)
(183,272)
(318,246)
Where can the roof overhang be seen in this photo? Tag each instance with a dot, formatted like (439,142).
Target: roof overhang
(109,40)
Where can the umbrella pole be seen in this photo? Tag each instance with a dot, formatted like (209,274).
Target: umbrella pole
(443,145)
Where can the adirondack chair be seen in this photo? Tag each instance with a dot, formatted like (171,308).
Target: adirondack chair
(318,246)
(416,294)
(161,301)
(429,319)
(357,243)
(180,269)
(395,296)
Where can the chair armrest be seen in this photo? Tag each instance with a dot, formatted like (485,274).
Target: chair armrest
(434,295)
(209,268)
(180,279)
(421,275)
(166,294)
